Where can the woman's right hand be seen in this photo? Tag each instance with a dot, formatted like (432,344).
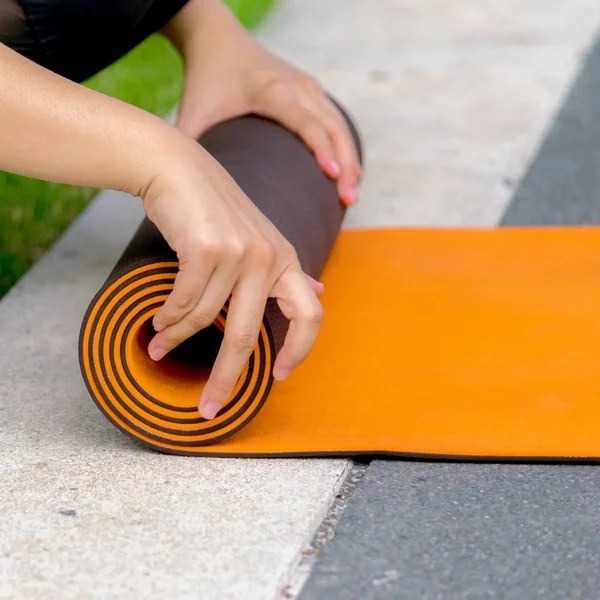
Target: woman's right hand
(57,130)
(226,249)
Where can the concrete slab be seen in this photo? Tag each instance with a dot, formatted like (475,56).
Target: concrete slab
(86,513)
(452,97)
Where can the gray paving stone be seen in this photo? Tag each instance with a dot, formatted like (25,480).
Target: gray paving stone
(465,531)
(562,187)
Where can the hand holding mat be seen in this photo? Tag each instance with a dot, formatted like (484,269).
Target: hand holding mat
(438,343)
(275,169)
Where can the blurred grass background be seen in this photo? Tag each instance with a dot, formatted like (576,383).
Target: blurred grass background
(34,213)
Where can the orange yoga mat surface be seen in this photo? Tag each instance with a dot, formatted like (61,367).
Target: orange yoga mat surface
(440,343)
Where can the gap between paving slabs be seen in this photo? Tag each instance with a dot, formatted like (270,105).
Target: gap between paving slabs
(300,572)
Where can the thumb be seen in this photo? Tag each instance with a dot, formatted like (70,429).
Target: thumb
(317,286)
(207,101)
(191,119)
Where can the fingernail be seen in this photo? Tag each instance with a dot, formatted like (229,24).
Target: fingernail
(334,168)
(351,195)
(156,353)
(158,327)
(280,373)
(210,409)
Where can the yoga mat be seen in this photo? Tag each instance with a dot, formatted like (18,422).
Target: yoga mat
(473,343)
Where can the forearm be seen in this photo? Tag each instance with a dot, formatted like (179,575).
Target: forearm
(196,23)
(57,130)
(211,42)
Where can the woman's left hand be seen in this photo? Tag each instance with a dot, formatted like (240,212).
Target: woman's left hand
(228,74)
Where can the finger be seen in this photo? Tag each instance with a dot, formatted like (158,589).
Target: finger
(187,291)
(313,133)
(300,305)
(286,107)
(244,318)
(345,150)
(317,286)
(341,141)
(205,312)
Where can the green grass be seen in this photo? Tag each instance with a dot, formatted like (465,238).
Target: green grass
(34,213)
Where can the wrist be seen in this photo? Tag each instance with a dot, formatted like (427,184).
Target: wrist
(171,161)
(198,25)
(158,149)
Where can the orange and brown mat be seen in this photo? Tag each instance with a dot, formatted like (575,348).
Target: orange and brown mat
(473,343)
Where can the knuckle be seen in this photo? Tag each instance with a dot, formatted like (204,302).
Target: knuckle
(275,89)
(178,304)
(278,85)
(236,250)
(187,253)
(311,83)
(209,248)
(314,314)
(244,343)
(264,252)
(336,130)
(313,129)
(169,339)
(223,386)
(200,320)
(197,249)
(337,118)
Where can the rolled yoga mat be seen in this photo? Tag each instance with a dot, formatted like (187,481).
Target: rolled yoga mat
(479,344)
